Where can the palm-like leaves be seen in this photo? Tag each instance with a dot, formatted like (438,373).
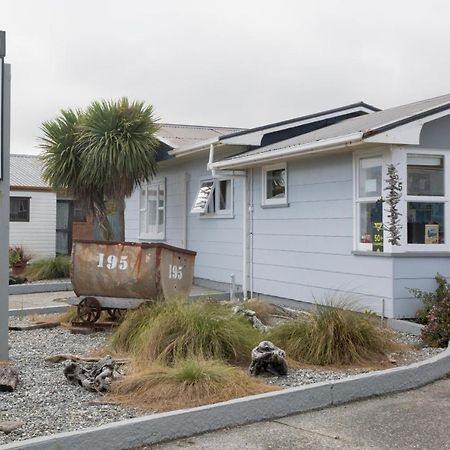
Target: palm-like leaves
(103,153)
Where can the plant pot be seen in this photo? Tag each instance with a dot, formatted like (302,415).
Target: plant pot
(18,269)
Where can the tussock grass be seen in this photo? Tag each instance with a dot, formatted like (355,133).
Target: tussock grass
(48,268)
(189,382)
(262,309)
(174,329)
(334,336)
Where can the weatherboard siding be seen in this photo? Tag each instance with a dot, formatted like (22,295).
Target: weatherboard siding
(217,241)
(38,236)
(304,251)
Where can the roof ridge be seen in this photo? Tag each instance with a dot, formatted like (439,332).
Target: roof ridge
(185,125)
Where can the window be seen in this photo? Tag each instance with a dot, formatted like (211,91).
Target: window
(152,211)
(79,213)
(425,199)
(19,209)
(214,198)
(368,203)
(274,185)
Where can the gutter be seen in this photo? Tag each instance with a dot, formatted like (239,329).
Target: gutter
(289,152)
(194,148)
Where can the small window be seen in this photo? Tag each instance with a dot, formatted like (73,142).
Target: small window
(214,198)
(426,175)
(274,185)
(19,209)
(370,177)
(152,211)
(79,213)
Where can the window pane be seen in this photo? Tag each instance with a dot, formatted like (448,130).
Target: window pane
(19,209)
(203,197)
(224,194)
(369,214)
(152,205)
(425,175)
(276,183)
(425,223)
(161,195)
(370,177)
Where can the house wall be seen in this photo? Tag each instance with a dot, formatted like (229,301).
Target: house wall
(217,241)
(304,251)
(38,236)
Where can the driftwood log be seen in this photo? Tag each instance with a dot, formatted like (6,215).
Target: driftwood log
(95,376)
(9,377)
(268,358)
(75,358)
(250,315)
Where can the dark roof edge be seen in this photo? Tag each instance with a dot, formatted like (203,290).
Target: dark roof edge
(407,120)
(187,125)
(297,119)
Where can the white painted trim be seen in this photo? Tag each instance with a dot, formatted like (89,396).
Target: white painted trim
(267,202)
(153,236)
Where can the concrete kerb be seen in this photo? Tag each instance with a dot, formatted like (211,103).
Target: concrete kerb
(183,423)
(405,326)
(36,288)
(38,311)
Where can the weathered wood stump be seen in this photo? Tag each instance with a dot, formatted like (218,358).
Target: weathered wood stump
(9,377)
(268,358)
(250,315)
(93,377)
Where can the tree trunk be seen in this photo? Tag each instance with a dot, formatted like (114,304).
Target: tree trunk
(105,226)
(120,211)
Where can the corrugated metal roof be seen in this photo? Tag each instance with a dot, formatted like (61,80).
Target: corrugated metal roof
(26,171)
(367,124)
(177,135)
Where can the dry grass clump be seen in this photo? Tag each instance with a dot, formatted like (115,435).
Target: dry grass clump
(174,329)
(263,310)
(189,382)
(48,268)
(333,336)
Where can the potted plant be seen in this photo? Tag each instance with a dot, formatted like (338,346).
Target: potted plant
(17,260)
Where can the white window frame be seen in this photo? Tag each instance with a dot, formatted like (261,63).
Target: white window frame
(357,200)
(425,199)
(274,201)
(219,213)
(159,210)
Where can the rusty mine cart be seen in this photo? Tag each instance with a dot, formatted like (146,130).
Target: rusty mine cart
(117,276)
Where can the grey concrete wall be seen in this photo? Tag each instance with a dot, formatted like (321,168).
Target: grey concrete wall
(4,217)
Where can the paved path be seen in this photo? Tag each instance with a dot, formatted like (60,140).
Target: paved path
(418,419)
(21,301)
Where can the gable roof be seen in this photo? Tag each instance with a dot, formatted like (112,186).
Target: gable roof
(178,135)
(25,171)
(349,130)
(254,136)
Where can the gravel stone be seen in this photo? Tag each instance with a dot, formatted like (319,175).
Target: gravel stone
(47,403)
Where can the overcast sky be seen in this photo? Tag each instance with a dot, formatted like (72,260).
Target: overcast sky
(232,63)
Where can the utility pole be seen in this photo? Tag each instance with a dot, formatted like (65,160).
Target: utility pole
(5,108)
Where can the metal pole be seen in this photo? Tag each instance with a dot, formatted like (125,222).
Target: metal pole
(4,200)
(245,237)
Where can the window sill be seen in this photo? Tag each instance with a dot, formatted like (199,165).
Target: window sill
(152,238)
(275,205)
(216,216)
(445,254)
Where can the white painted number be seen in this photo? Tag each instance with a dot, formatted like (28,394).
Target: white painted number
(111,262)
(175,272)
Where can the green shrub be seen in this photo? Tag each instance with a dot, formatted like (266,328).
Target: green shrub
(430,299)
(17,255)
(437,330)
(333,335)
(173,329)
(189,382)
(49,268)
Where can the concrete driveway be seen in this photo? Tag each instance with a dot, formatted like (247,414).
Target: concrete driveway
(418,419)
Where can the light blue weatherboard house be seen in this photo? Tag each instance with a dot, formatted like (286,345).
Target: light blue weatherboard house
(289,208)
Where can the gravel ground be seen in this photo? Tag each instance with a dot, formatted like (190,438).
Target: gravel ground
(44,400)
(48,404)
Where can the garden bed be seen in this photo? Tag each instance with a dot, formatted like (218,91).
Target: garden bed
(48,403)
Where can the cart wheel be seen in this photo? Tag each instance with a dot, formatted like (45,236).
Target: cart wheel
(89,310)
(115,314)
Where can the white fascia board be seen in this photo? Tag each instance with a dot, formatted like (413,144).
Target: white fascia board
(289,152)
(408,134)
(254,138)
(193,148)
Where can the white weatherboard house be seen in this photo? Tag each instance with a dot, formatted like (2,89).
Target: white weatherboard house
(32,208)
(292,208)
